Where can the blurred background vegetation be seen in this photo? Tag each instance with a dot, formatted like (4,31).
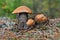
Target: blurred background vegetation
(48,7)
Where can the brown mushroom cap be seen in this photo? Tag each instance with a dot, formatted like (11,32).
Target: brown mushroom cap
(22,9)
(30,22)
(40,18)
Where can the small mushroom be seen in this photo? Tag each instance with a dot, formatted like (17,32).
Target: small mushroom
(30,22)
(22,16)
(40,18)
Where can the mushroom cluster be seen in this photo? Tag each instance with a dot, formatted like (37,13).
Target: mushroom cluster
(22,15)
(23,21)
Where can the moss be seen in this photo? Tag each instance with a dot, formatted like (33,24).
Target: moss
(58,25)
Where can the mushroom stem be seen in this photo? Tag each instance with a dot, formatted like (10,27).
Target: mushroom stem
(22,18)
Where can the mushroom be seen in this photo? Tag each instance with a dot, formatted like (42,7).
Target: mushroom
(30,23)
(40,19)
(22,15)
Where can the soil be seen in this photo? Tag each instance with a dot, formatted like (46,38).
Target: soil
(8,31)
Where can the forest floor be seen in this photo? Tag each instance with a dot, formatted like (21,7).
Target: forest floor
(48,32)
